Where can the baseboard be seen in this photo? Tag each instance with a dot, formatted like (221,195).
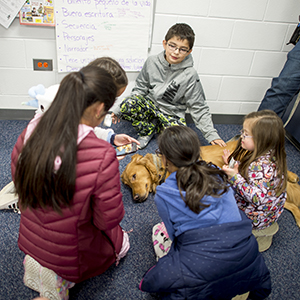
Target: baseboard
(221,119)
(19,114)
(16,114)
(292,140)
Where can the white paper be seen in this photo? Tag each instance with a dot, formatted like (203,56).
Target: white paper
(9,10)
(89,29)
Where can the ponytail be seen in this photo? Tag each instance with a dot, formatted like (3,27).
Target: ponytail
(181,146)
(37,184)
(199,180)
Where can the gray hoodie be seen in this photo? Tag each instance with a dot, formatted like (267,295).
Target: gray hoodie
(174,88)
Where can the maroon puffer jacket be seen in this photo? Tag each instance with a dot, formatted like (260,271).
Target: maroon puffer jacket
(83,242)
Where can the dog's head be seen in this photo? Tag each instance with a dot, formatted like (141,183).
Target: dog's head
(142,176)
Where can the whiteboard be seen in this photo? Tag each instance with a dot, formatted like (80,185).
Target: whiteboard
(87,29)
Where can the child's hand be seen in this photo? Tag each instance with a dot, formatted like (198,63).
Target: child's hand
(123,139)
(231,171)
(218,142)
(114,118)
(225,156)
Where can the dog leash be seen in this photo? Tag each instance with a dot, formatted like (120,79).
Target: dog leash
(293,110)
(158,166)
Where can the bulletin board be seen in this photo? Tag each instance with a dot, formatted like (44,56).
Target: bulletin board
(87,29)
(37,12)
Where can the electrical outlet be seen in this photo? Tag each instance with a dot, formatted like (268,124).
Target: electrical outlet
(42,65)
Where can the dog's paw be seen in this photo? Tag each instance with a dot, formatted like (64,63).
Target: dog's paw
(292,177)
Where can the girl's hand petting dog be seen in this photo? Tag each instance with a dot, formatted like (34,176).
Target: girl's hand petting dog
(225,156)
(231,171)
(230,168)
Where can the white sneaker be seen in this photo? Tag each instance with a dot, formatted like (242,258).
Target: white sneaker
(45,281)
(8,198)
(144,140)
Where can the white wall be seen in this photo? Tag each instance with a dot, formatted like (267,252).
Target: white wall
(240,46)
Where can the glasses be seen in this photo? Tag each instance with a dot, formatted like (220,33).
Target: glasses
(245,135)
(174,48)
(158,153)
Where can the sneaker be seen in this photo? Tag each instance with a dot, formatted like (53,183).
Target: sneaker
(161,241)
(144,140)
(45,281)
(8,198)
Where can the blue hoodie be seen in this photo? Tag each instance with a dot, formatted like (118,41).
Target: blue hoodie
(179,218)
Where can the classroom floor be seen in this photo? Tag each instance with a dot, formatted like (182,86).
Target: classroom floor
(121,282)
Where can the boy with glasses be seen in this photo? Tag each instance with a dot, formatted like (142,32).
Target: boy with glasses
(167,85)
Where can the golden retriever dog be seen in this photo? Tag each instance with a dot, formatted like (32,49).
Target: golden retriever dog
(292,202)
(143,174)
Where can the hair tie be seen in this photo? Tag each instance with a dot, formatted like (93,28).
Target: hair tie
(192,163)
(81,75)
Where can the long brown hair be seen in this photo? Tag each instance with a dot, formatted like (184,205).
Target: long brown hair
(56,135)
(268,135)
(181,146)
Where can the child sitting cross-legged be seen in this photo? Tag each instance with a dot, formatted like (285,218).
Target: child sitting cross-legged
(166,87)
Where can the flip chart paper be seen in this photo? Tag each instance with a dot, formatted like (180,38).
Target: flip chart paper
(87,29)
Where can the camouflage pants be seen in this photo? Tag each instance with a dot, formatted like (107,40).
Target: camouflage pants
(145,117)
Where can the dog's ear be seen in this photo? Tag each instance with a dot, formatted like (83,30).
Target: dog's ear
(147,161)
(149,165)
(134,159)
(292,177)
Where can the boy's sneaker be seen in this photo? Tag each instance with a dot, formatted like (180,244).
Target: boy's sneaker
(144,140)
(8,198)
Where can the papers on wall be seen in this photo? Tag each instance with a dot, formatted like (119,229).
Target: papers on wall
(39,13)
(9,10)
(87,29)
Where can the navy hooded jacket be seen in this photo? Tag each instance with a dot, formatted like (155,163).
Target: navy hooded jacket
(216,262)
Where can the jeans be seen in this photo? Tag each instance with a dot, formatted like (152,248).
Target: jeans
(285,86)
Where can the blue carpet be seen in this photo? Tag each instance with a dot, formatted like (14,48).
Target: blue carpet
(121,282)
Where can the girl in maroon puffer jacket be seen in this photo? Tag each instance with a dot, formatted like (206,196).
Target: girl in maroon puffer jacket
(68,184)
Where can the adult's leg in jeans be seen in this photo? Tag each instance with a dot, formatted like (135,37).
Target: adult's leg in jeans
(285,86)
